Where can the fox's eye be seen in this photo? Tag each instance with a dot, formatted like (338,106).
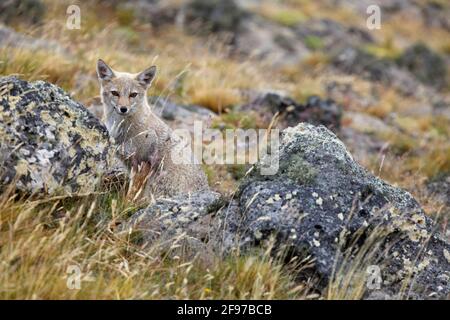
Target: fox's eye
(133,95)
(115,93)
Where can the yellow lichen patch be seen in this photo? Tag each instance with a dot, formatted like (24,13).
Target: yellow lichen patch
(21,168)
(12,101)
(47,118)
(43,178)
(414,233)
(419,219)
(72,152)
(446,255)
(87,181)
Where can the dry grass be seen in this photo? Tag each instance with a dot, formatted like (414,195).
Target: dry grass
(350,280)
(41,242)
(189,69)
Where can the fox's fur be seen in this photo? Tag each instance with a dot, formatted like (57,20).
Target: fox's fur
(145,143)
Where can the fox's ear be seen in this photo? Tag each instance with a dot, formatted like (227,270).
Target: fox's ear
(146,77)
(104,72)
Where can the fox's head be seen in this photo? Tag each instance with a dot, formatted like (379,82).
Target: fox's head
(124,92)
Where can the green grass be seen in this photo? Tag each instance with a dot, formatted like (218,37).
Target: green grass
(314,43)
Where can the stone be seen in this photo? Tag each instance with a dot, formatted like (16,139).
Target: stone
(429,67)
(50,144)
(339,209)
(315,110)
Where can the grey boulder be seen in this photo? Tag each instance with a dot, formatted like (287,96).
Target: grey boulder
(322,204)
(50,144)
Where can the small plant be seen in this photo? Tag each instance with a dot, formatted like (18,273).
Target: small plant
(238,171)
(234,119)
(285,16)
(125,16)
(314,43)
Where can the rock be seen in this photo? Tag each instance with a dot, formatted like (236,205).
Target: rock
(436,15)
(366,123)
(200,17)
(267,40)
(355,61)
(11,39)
(157,13)
(332,34)
(323,204)
(31,11)
(181,116)
(213,16)
(50,143)
(429,67)
(182,220)
(315,110)
(441,108)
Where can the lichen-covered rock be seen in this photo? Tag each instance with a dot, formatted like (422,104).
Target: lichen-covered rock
(185,219)
(324,205)
(315,110)
(355,61)
(12,39)
(31,11)
(50,143)
(270,41)
(332,34)
(429,67)
(436,14)
(213,16)
(181,116)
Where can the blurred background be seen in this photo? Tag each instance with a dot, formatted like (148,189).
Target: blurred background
(385,91)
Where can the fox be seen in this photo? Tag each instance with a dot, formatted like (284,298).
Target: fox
(145,143)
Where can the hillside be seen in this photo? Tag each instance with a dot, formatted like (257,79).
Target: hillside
(365,149)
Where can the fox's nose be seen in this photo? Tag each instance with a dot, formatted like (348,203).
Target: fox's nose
(123,109)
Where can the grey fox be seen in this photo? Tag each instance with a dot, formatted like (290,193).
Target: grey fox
(145,143)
